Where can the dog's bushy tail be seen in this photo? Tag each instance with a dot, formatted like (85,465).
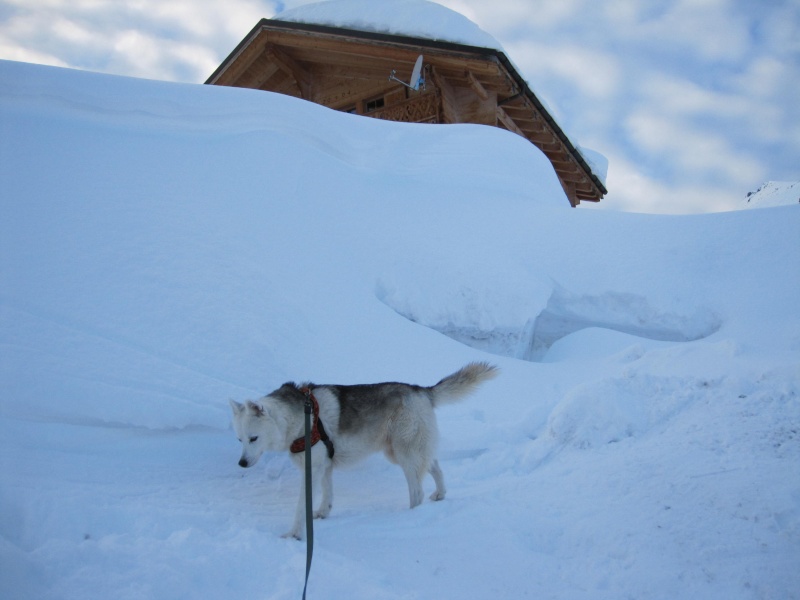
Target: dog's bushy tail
(462,382)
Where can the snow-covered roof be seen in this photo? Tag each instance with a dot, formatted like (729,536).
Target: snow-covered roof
(416,18)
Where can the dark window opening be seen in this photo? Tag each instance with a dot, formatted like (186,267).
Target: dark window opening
(376,104)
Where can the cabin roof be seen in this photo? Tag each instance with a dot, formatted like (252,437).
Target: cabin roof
(303,48)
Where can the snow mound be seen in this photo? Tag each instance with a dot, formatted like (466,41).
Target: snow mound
(415,18)
(774,193)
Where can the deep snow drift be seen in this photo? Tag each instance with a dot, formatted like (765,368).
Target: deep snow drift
(167,247)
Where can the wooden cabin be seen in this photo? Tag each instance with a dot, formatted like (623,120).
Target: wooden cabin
(348,70)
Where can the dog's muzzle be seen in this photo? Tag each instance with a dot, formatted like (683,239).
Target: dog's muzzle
(243,463)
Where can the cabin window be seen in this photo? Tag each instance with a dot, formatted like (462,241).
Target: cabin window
(374,104)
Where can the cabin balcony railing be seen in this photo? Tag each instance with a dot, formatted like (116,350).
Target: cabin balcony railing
(423,108)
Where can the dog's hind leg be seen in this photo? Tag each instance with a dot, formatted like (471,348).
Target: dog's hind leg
(438,477)
(414,464)
(414,479)
(411,443)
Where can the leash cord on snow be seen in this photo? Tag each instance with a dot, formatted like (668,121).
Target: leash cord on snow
(309,509)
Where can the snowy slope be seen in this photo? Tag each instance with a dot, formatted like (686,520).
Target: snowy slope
(167,247)
(774,193)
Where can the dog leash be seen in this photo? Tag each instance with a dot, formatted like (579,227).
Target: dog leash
(312,436)
(309,407)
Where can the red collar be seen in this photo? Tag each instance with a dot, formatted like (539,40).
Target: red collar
(317,429)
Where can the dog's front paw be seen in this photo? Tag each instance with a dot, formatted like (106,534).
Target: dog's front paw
(293,535)
(437,495)
(323,512)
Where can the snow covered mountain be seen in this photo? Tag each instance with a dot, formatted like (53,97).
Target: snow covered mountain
(774,193)
(167,247)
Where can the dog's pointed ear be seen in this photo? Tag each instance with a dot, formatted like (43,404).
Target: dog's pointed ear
(236,407)
(255,408)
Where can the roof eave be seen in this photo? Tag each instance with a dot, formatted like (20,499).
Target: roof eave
(528,92)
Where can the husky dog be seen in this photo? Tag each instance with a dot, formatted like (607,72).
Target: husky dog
(354,421)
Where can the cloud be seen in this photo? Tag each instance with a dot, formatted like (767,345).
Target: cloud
(711,31)
(682,97)
(504,15)
(764,77)
(11,51)
(633,190)
(692,151)
(180,40)
(143,55)
(772,87)
(594,74)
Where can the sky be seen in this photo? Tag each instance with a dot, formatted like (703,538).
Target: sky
(695,103)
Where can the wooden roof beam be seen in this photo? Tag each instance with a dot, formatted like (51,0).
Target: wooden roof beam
(477,87)
(540,138)
(535,127)
(570,191)
(449,110)
(260,78)
(529,118)
(521,110)
(291,67)
(346,73)
(549,147)
(565,166)
(508,122)
(532,125)
(236,71)
(579,179)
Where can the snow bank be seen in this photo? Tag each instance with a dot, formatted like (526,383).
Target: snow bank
(167,247)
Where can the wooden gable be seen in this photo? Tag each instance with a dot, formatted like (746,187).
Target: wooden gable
(349,70)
